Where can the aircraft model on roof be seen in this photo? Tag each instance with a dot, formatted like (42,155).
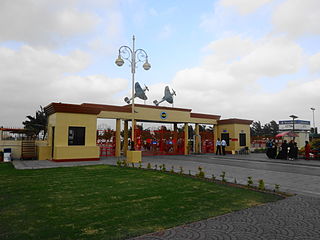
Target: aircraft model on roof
(139,92)
(168,96)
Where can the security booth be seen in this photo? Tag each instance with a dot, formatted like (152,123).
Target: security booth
(72,131)
(236,132)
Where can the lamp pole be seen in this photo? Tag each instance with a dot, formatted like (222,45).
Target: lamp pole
(314,126)
(293,117)
(133,56)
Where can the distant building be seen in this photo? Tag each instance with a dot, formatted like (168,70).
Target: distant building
(301,127)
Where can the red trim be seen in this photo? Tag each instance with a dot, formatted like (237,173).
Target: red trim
(70,108)
(234,121)
(15,130)
(206,116)
(76,160)
(106,107)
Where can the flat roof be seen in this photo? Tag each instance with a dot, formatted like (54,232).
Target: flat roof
(92,108)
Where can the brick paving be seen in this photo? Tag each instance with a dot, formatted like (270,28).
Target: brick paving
(292,218)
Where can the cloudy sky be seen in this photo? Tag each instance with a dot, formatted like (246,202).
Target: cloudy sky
(257,60)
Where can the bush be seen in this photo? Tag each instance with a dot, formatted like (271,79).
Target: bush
(249,182)
(118,163)
(162,167)
(223,175)
(315,144)
(181,170)
(261,184)
(201,173)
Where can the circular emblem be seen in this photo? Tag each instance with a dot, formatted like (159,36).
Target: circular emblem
(163,115)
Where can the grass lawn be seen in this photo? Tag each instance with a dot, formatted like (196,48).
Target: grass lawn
(107,202)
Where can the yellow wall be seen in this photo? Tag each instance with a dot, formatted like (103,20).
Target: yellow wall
(62,122)
(234,130)
(242,128)
(114,115)
(15,146)
(153,114)
(43,152)
(227,128)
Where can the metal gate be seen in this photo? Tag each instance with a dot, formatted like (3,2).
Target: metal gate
(106,140)
(207,141)
(159,142)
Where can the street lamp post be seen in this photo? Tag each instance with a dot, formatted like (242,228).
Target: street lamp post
(133,56)
(293,117)
(314,126)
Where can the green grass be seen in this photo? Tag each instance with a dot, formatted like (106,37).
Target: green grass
(106,202)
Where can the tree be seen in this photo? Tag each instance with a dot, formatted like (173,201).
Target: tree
(274,128)
(268,130)
(38,123)
(256,129)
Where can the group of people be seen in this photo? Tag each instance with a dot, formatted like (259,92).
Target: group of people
(221,145)
(287,151)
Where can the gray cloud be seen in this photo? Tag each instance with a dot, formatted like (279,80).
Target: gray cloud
(35,76)
(297,17)
(45,22)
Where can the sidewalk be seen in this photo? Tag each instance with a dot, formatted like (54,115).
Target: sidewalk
(262,157)
(39,164)
(292,218)
(254,157)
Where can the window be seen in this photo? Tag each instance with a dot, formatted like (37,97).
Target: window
(76,136)
(225,136)
(242,137)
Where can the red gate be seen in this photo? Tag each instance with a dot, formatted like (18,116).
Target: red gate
(207,142)
(159,142)
(106,140)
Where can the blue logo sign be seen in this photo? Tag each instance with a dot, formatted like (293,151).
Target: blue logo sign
(163,115)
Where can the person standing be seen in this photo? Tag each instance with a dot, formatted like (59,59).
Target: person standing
(269,148)
(223,145)
(284,150)
(307,149)
(291,150)
(273,149)
(295,150)
(218,146)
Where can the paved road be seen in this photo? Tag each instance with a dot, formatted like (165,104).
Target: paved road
(297,176)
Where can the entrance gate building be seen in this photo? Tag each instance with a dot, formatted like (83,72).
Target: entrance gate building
(72,131)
